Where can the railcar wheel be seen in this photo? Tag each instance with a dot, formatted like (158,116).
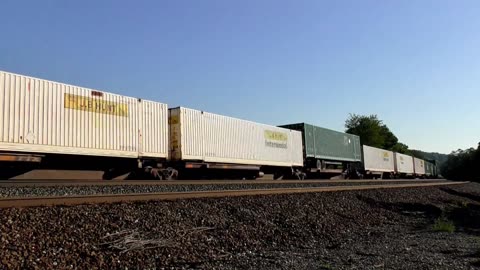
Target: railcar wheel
(170,174)
(299,174)
(156,174)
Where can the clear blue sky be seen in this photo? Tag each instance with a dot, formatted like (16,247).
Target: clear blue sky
(414,63)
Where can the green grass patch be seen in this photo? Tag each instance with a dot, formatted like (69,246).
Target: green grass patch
(443,225)
(326,266)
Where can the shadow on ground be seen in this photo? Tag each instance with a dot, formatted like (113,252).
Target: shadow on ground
(430,211)
(462,212)
(470,196)
(464,215)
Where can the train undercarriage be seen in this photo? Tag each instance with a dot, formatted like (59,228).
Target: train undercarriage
(12,164)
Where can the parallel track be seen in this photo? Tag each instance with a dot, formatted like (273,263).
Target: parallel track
(96,199)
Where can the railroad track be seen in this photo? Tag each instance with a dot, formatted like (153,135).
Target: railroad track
(42,183)
(116,198)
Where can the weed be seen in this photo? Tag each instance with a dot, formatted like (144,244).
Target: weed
(326,266)
(443,225)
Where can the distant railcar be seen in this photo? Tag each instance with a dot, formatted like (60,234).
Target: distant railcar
(419,166)
(378,163)
(430,169)
(403,165)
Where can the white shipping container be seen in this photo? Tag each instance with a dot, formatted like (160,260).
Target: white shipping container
(208,137)
(378,160)
(154,131)
(403,163)
(42,116)
(419,166)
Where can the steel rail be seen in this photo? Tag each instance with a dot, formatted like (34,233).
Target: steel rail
(117,198)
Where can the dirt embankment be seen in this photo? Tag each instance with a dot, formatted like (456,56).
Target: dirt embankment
(416,228)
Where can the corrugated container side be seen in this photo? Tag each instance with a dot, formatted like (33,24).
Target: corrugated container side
(403,163)
(48,117)
(328,144)
(378,160)
(215,138)
(154,130)
(419,166)
(335,145)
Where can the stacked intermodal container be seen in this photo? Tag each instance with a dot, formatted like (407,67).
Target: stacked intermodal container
(326,144)
(378,160)
(419,166)
(207,137)
(41,116)
(403,164)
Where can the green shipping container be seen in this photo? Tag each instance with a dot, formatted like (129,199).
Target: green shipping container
(427,168)
(327,144)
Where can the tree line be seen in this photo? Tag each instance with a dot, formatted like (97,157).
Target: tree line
(463,165)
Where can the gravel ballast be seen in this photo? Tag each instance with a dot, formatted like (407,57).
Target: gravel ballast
(371,229)
(65,190)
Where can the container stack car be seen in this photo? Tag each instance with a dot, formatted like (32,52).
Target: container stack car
(419,167)
(403,166)
(203,141)
(378,163)
(328,152)
(67,126)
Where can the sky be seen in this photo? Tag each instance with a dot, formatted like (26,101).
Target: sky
(415,64)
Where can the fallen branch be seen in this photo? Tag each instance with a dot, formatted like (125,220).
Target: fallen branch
(128,240)
(132,240)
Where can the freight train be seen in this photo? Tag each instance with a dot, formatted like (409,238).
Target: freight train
(46,124)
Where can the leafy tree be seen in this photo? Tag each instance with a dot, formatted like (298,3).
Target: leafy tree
(369,128)
(373,132)
(401,148)
(389,139)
